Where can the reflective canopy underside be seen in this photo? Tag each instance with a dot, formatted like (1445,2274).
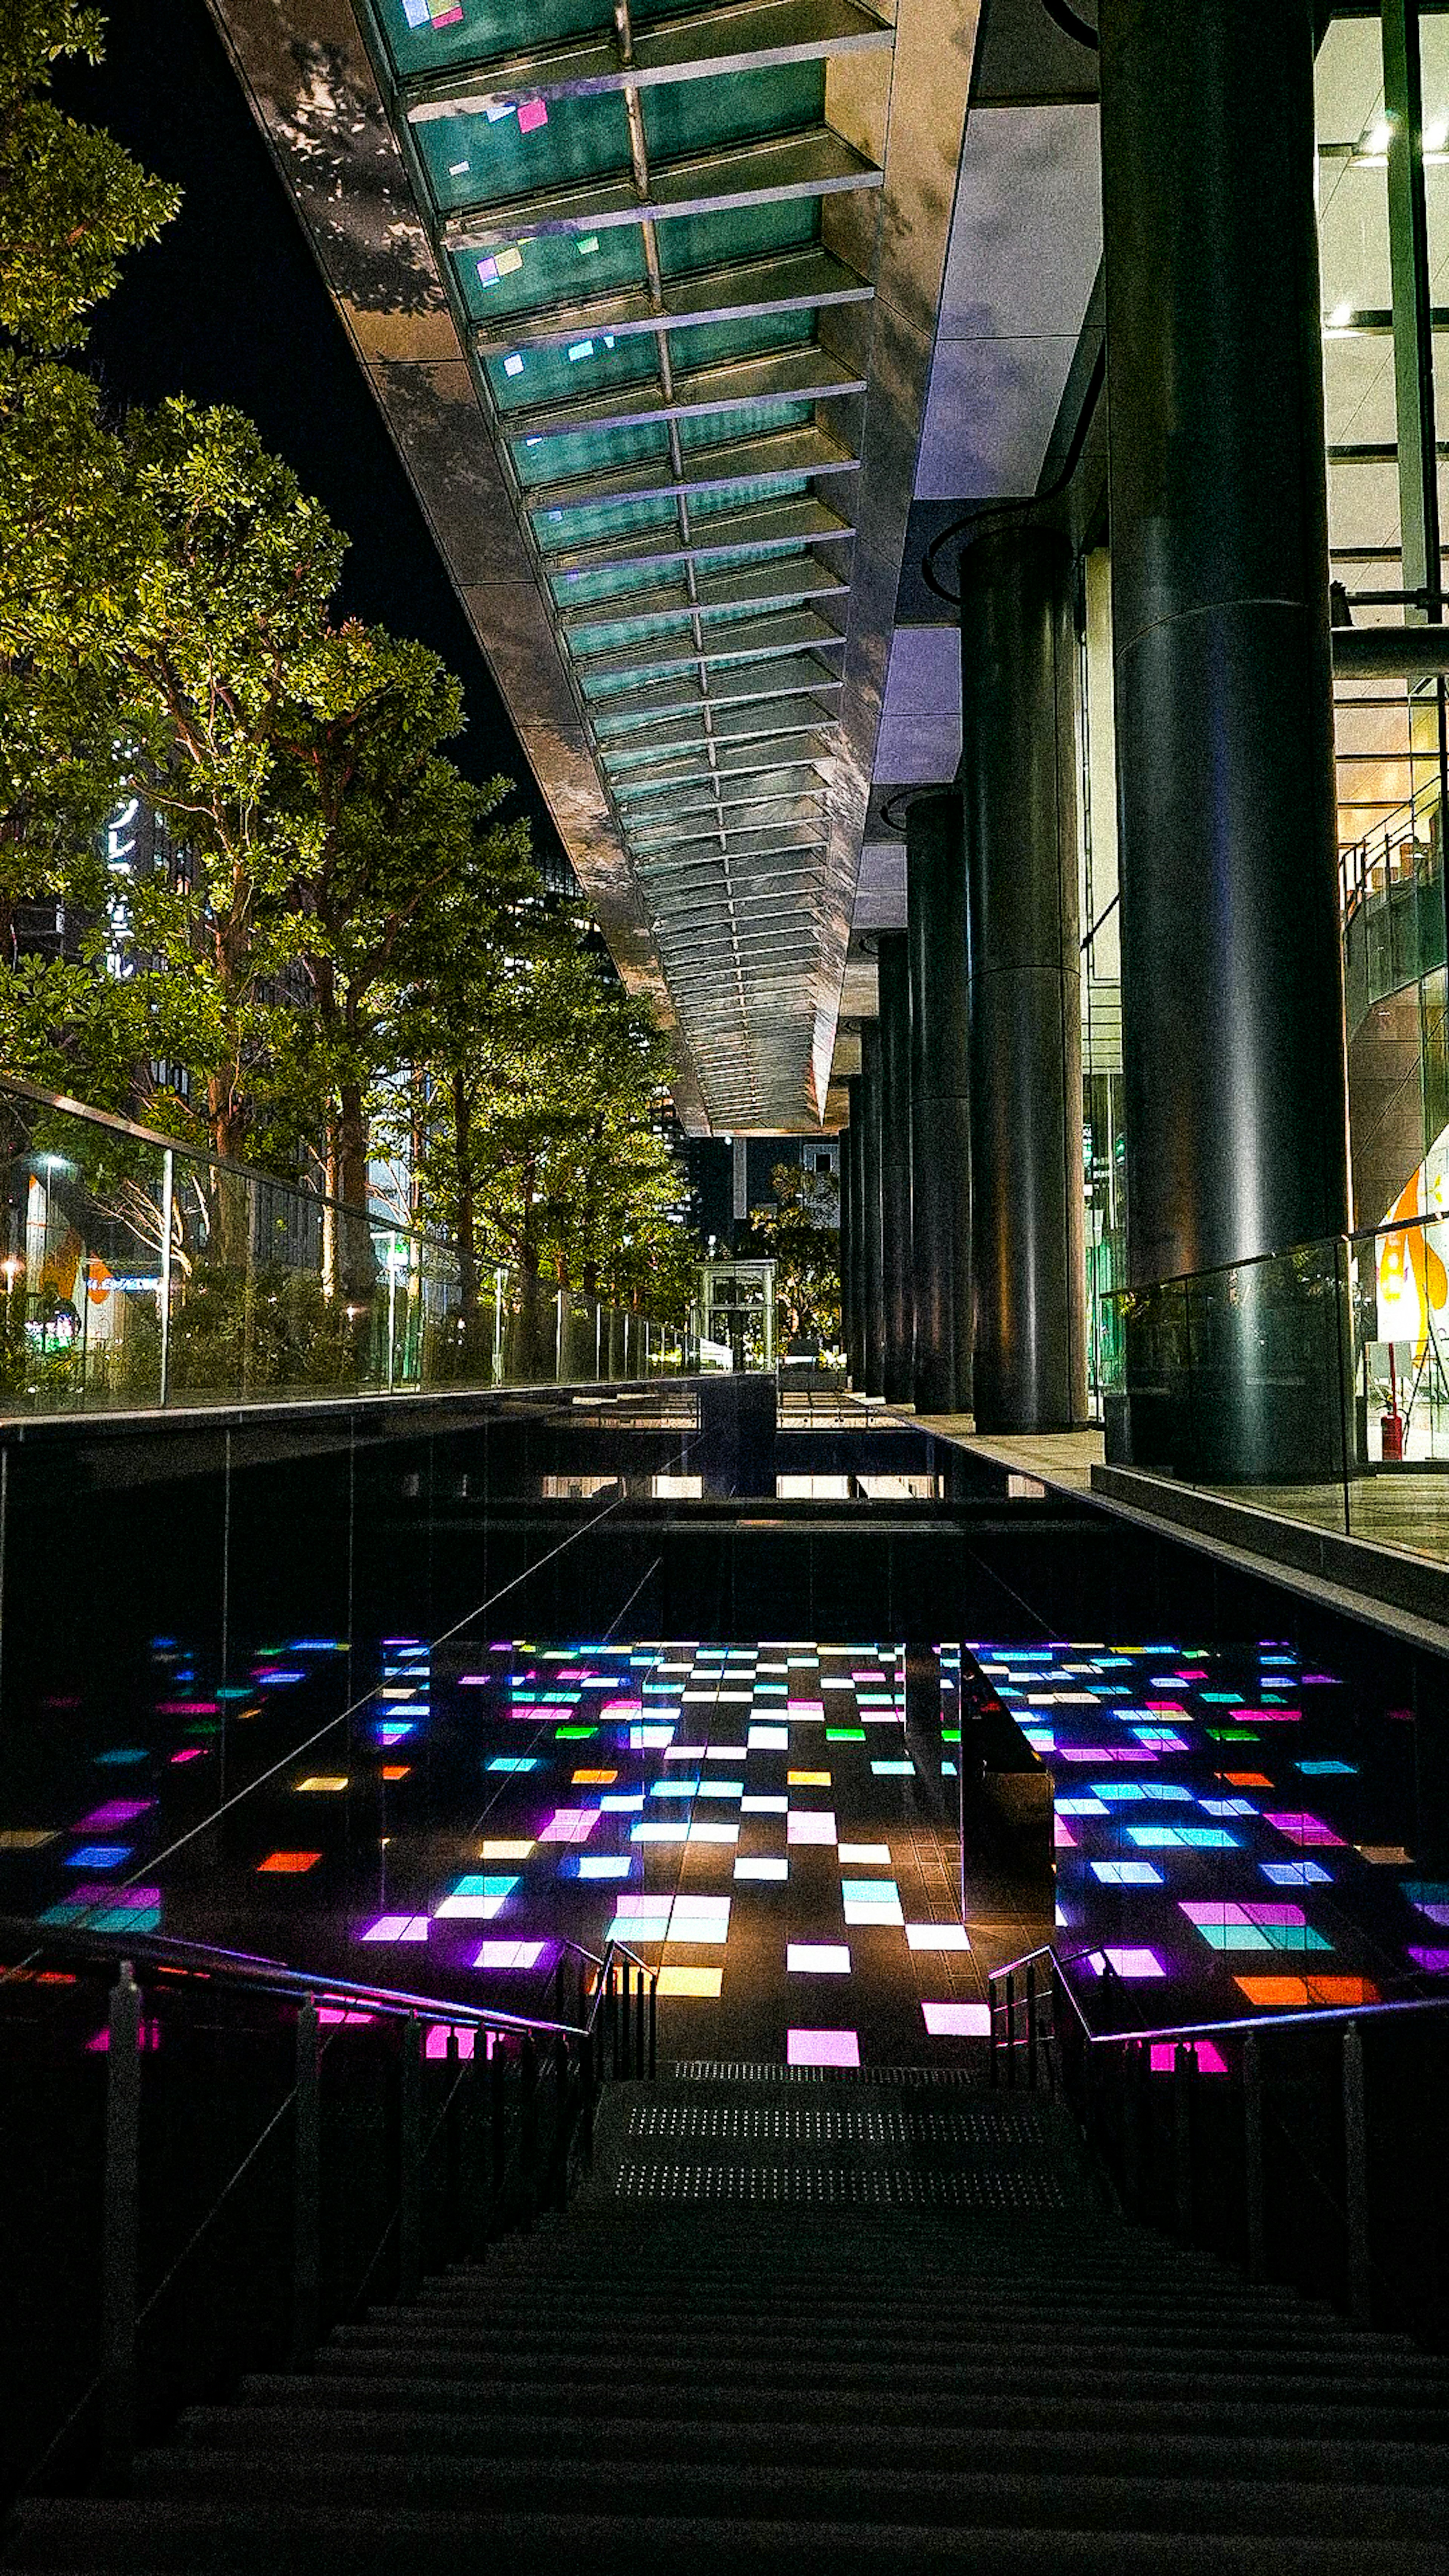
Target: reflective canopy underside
(650,316)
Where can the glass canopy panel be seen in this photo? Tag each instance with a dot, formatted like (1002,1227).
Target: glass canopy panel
(582,589)
(583,522)
(438,35)
(555,268)
(591,364)
(746,232)
(743,420)
(488,159)
(685,117)
(556,460)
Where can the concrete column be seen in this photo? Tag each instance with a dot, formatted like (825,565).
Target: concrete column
(873,1319)
(843,1144)
(940,1104)
(855,1140)
(893,967)
(1018,786)
(1232,1008)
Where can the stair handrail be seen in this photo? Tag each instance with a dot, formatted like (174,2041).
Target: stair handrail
(251,1973)
(1228,2025)
(570,2057)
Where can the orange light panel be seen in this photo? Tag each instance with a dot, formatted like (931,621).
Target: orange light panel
(289,1864)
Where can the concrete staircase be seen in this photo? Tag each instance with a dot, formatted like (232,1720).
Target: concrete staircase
(807,2324)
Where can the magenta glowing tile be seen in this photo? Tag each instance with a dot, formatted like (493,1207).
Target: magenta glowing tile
(570,1825)
(116,1811)
(1210,2058)
(1435,1963)
(957,2021)
(397,1927)
(822,2048)
(436,2042)
(1303,1829)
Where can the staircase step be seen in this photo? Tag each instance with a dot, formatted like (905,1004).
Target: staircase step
(398,2344)
(156,2536)
(1352,2413)
(1068,2376)
(863,2491)
(238,2433)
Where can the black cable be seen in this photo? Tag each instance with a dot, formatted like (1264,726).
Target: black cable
(1071,25)
(970,519)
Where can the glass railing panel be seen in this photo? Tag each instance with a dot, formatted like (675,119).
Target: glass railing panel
(84,1268)
(137,1272)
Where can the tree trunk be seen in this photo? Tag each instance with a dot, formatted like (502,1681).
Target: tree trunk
(357,1262)
(476,1359)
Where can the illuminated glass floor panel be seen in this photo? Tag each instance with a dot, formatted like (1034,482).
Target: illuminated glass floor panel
(1195,1787)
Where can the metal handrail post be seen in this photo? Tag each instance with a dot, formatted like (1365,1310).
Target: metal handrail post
(1031,2024)
(120,2255)
(452,2146)
(528,2131)
(654,2027)
(1010,2030)
(1253,2155)
(410,2162)
(168,1203)
(639,2010)
(590,2072)
(564,2108)
(1184,2068)
(497,2125)
(306,2188)
(1355,2177)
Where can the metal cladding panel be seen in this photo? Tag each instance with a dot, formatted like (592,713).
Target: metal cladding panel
(639,299)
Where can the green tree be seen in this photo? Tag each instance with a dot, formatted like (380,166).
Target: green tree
(72,200)
(801,1234)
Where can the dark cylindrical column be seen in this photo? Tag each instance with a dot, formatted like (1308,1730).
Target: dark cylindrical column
(1018,784)
(1232,1016)
(855,1140)
(940,1104)
(873,1321)
(843,1145)
(894,974)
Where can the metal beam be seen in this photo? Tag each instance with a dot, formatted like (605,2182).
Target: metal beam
(814,163)
(785,583)
(812,752)
(743,841)
(799,804)
(746,291)
(793,375)
(640,710)
(790,519)
(734,725)
(1413,329)
(714,468)
(708,44)
(741,639)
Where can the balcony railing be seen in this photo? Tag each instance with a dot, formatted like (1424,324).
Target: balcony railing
(137,1272)
(1314,1382)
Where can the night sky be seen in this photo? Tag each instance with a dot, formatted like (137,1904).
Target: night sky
(219,309)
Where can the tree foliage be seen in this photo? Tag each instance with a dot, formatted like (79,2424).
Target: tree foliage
(801,1234)
(72,200)
(341,928)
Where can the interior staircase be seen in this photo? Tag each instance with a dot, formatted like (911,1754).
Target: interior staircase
(800,2322)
